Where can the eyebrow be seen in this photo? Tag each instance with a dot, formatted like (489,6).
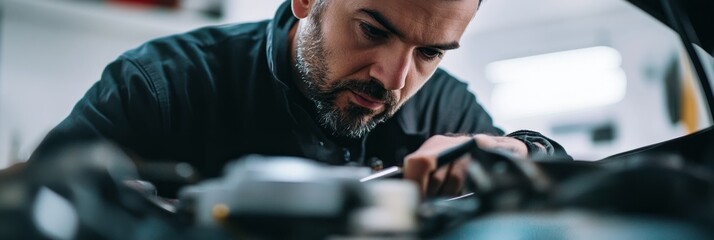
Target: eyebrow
(382,20)
(447,46)
(390,27)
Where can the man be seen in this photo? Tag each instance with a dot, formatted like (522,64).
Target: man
(340,82)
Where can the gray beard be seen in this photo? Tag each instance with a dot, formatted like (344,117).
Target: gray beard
(312,65)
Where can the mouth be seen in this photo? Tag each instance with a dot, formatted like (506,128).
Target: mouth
(367,101)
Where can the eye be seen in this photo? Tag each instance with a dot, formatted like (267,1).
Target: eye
(430,54)
(373,33)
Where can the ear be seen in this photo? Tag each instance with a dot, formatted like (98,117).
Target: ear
(301,8)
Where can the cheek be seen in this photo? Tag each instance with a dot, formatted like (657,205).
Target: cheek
(348,57)
(340,57)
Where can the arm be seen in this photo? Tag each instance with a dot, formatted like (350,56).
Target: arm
(458,117)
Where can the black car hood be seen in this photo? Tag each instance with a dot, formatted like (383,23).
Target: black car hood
(699,13)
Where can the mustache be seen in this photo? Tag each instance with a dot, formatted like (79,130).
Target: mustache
(371,87)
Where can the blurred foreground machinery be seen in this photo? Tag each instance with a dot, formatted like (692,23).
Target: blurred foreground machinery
(95,192)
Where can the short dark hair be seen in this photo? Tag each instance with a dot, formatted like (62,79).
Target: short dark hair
(319,3)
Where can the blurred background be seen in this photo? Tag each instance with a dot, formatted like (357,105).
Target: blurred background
(598,76)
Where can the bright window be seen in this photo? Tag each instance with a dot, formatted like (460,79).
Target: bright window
(557,82)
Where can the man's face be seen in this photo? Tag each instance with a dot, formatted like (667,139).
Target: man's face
(360,60)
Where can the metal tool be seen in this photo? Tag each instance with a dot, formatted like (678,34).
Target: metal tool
(448,156)
(388,172)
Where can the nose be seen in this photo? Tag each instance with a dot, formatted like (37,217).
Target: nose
(391,68)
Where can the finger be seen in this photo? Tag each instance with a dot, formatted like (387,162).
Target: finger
(454,182)
(507,144)
(436,181)
(418,168)
(420,165)
(485,141)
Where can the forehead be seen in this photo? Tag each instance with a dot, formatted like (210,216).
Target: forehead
(421,20)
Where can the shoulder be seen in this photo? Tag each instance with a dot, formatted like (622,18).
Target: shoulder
(442,81)
(184,72)
(440,89)
(444,105)
(431,101)
(198,60)
(198,43)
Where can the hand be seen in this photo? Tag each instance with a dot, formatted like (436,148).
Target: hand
(420,166)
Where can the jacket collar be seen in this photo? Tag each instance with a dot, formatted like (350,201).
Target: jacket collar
(277,46)
(280,65)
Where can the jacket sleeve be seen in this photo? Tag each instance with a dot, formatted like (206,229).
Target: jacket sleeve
(444,105)
(541,148)
(123,103)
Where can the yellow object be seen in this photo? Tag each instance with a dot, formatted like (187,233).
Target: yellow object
(689,110)
(220,212)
